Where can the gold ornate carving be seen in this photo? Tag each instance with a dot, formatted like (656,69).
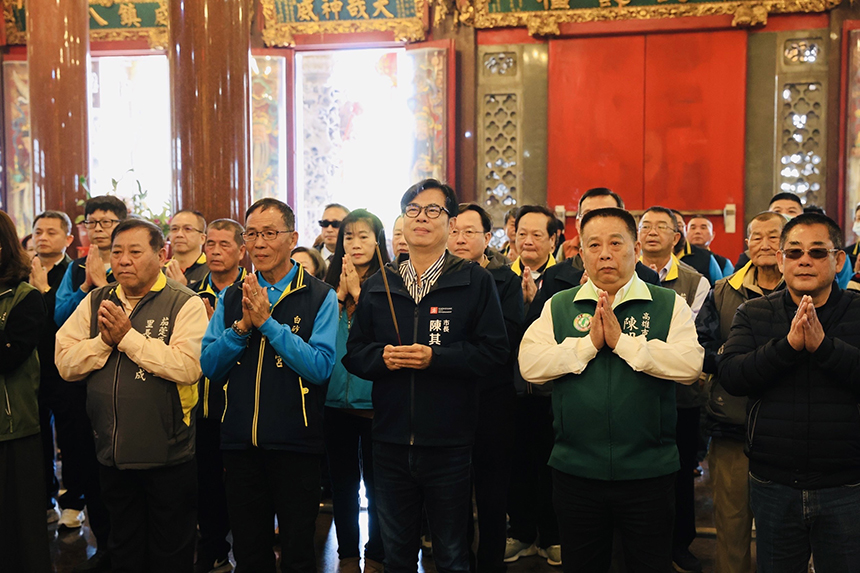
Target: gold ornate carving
(547,23)
(13,34)
(404,29)
(157,37)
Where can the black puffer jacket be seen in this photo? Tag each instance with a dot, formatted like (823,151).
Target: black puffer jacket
(803,423)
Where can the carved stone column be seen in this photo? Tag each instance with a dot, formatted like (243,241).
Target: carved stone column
(209,53)
(58,52)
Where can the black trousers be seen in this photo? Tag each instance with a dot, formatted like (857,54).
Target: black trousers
(23,538)
(46,425)
(687,437)
(67,402)
(491,472)
(153,516)
(349,446)
(212,517)
(530,504)
(590,510)
(262,483)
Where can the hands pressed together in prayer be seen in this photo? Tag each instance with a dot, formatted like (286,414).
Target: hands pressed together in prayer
(806,330)
(350,282)
(529,286)
(604,324)
(174,271)
(113,322)
(39,275)
(255,304)
(96,276)
(416,356)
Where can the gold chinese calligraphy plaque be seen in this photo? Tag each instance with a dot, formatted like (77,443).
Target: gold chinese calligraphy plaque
(110,20)
(542,17)
(284,19)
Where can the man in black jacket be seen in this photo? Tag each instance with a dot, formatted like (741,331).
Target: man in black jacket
(796,354)
(491,457)
(449,332)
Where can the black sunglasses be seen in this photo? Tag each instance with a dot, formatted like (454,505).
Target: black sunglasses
(815,253)
(326,223)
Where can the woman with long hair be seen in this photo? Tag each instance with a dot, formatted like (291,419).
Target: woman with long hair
(348,406)
(23,543)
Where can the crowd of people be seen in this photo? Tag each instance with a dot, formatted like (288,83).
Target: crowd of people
(565,389)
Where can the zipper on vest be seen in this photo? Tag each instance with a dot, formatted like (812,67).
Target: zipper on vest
(257,392)
(224,413)
(412,383)
(303,391)
(205,397)
(8,408)
(115,419)
(116,373)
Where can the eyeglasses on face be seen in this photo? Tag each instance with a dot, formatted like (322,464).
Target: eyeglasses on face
(329,223)
(104,223)
(662,227)
(185,229)
(815,253)
(468,234)
(268,235)
(432,210)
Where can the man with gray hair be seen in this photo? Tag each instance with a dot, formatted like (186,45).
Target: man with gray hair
(726,414)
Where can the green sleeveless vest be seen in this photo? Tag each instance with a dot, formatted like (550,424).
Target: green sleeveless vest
(19,389)
(611,422)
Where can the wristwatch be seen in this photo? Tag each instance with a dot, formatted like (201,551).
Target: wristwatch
(239,331)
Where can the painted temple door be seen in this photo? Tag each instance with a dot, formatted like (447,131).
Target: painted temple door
(659,118)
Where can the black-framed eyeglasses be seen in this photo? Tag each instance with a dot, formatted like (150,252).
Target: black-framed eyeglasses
(815,253)
(268,235)
(329,223)
(184,229)
(104,223)
(432,210)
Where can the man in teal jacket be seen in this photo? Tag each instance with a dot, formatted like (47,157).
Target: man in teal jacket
(614,348)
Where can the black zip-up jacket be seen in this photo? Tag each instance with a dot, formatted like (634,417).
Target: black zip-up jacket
(436,406)
(510,288)
(211,401)
(49,330)
(803,421)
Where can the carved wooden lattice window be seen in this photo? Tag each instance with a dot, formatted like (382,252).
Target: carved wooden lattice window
(800,143)
(802,51)
(501,63)
(800,122)
(501,167)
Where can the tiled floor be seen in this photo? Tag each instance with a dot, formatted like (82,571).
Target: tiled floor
(69,549)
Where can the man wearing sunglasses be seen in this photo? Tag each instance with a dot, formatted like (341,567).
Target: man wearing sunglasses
(333,214)
(449,332)
(796,354)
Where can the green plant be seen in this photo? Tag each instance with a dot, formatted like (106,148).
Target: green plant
(138,205)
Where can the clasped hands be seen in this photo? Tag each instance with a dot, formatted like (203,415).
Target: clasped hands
(806,330)
(416,356)
(113,322)
(255,304)
(604,324)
